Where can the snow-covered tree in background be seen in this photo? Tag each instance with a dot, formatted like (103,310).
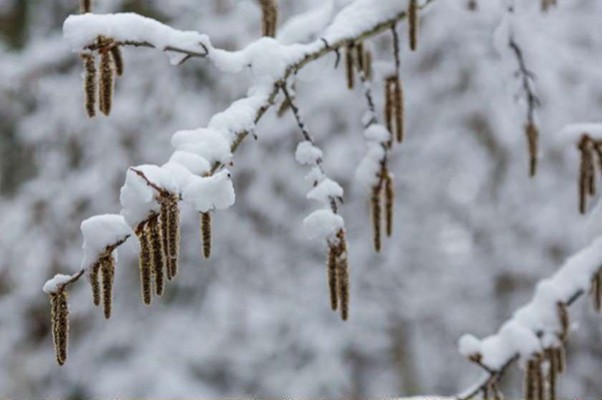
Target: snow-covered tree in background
(251,320)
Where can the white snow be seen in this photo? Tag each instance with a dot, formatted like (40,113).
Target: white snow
(210,193)
(325,191)
(82,30)
(193,162)
(209,143)
(99,232)
(137,197)
(53,285)
(523,334)
(307,153)
(323,224)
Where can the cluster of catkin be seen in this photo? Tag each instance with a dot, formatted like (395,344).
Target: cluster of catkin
(159,239)
(269,20)
(588,148)
(59,314)
(383,196)
(99,78)
(357,55)
(338,274)
(103,268)
(541,374)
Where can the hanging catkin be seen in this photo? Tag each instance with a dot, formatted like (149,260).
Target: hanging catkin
(164,226)
(85,6)
(585,172)
(376,216)
(389,202)
(158,255)
(269,21)
(389,103)
(563,317)
(144,237)
(552,373)
(596,291)
(342,274)
(532,138)
(350,66)
(532,379)
(117,59)
(107,270)
(173,233)
(206,233)
(413,23)
(90,84)
(399,109)
(60,324)
(93,278)
(332,276)
(106,82)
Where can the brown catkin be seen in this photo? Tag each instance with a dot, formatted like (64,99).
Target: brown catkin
(413,23)
(359,55)
(206,233)
(158,255)
(399,109)
(350,66)
(164,226)
(60,324)
(532,138)
(367,63)
(389,203)
(173,234)
(561,358)
(552,373)
(93,278)
(85,6)
(90,84)
(117,60)
(389,103)
(539,379)
(269,21)
(106,82)
(563,317)
(597,291)
(144,237)
(332,276)
(528,387)
(343,275)
(585,169)
(107,270)
(376,216)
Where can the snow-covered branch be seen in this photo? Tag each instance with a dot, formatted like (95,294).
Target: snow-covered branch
(537,333)
(196,173)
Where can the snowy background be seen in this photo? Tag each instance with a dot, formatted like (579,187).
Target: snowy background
(472,236)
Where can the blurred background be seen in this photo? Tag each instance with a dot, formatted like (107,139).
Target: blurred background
(473,233)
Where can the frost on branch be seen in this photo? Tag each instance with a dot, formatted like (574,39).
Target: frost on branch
(536,336)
